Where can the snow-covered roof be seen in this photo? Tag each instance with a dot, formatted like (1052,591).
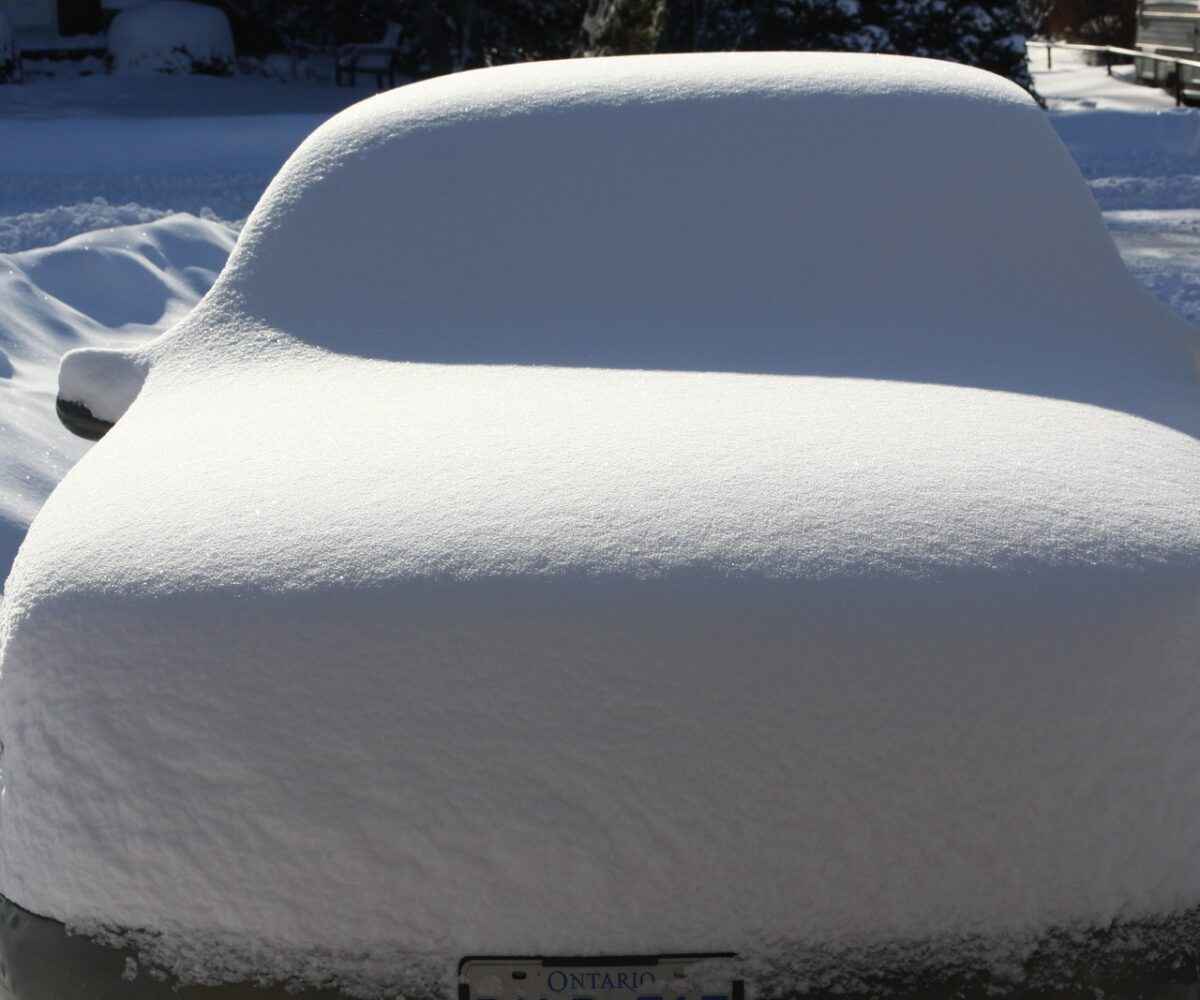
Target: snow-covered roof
(633,505)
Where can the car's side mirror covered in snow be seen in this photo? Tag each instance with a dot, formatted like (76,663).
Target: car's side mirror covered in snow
(96,386)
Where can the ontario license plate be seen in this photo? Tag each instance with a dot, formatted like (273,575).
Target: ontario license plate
(665,977)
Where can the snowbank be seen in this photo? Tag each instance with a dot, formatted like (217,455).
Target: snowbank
(171,36)
(599,508)
(105,289)
(26,230)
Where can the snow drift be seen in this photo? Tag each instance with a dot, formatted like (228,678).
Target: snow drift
(171,36)
(630,505)
(114,288)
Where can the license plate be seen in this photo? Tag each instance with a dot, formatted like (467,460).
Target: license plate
(665,977)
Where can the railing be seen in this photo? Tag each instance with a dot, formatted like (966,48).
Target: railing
(1125,54)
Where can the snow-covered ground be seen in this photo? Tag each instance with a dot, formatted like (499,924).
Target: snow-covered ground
(1141,156)
(145,147)
(496,610)
(1070,84)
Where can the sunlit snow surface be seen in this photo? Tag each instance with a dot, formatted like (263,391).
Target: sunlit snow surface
(228,137)
(103,289)
(81,155)
(1068,83)
(84,153)
(335,543)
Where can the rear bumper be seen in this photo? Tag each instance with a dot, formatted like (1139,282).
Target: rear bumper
(1150,959)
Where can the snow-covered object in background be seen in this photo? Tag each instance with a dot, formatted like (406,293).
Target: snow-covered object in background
(171,36)
(621,506)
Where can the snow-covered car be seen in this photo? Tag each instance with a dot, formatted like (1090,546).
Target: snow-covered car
(629,509)
(171,36)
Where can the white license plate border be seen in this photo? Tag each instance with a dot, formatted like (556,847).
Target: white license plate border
(736,988)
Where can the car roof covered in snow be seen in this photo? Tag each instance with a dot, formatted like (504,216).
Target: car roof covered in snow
(755,474)
(762,212)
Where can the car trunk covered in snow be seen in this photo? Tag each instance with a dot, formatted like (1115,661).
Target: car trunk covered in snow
(627,506)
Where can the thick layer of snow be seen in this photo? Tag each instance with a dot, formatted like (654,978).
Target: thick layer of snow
(530,301)
(171,36)
(167,99)
(1162,248)
(81,155)
(598,509)
(211,158)
(106,289)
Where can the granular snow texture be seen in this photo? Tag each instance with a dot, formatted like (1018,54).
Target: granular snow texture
(25,230)
(105,289)
(598,509)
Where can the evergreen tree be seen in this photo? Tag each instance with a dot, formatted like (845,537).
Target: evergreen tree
(521,30)
(437,36)
(984,33)
(707,25)
(990,35)
(318,22)
(442,36)
(621,27)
